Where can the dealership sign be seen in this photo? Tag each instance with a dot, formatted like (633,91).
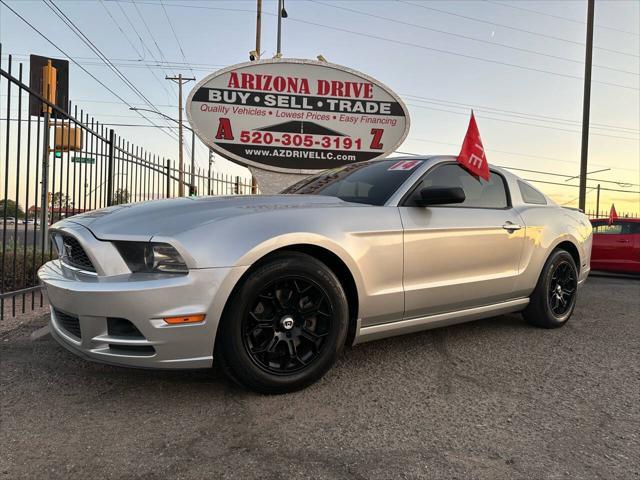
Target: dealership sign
(299,116)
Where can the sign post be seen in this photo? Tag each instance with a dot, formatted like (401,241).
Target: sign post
(284,118)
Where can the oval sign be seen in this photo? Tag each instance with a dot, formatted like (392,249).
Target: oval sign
(296,116)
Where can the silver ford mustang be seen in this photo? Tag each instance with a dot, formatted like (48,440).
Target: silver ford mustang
(275,286)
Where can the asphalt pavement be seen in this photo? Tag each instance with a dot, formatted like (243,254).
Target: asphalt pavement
(24,234)
(489,400)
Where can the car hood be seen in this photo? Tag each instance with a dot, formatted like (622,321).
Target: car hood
(141,221)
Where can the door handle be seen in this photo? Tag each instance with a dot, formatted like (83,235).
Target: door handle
(511,227)
(623,241)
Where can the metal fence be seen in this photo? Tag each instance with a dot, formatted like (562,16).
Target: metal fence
(605,214)
(42,185)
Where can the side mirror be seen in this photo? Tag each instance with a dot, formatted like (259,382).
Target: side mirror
(440,196)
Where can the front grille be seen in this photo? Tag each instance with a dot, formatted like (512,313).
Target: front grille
(73,254)
(69,323)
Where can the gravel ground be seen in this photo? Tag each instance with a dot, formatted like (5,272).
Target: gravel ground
(491,399)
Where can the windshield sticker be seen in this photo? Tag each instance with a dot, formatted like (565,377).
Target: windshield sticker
(405,165)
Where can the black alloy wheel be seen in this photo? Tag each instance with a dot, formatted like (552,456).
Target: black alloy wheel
(287,325)
(553,300)
(562,288)
(284,325)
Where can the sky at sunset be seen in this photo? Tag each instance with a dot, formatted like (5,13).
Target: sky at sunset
(519,65)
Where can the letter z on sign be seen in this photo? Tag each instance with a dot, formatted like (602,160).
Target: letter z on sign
(405,165)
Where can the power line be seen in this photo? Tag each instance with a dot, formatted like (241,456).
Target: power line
(521,154)
(452,104)
(570,177)
(135,30)
(175,36)
(559,17)
(552,37)
(513,122)
(467,37)
(518,114)
(578,197)
(73,60)
(76,30)
(399,42)
(140,63)
(576,186)
(548,173)
(164,87)
(146,26)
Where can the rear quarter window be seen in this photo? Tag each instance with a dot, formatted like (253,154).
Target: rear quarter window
(530,194)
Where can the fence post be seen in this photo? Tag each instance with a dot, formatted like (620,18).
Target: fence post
(44,213)
(112,145)
(168,168)
(237,185)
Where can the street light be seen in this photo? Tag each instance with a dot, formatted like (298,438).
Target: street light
(193,141)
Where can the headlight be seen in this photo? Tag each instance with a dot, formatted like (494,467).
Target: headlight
(151,257)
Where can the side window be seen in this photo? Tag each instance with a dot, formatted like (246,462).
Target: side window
(479,193)
(606,229)
(530,194)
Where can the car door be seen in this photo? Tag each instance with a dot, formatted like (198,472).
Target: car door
(615,246)
(627,247)
(612,245)
(464,255)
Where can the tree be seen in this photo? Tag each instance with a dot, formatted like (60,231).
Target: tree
(10,206)
(121,196)
(61,201)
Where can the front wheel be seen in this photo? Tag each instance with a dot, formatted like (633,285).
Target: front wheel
(285,325)
(554,297)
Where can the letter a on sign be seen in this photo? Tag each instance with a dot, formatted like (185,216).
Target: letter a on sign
(472,155)
(224,130)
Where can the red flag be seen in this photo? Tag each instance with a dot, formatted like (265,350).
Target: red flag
(472,155)
(613,215)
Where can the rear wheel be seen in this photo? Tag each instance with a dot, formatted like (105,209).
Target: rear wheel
(285,325)
(554,297)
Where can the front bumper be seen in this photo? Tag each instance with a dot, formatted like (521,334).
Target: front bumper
(144,300)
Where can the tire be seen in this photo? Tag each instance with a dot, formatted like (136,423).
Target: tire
(554,297)
(284,326)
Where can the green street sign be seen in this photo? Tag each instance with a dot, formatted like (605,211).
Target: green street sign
(83,160)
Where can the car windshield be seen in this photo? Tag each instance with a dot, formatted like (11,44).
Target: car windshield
(370,182)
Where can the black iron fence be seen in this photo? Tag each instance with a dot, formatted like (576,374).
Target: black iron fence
(605,214)
(62,163)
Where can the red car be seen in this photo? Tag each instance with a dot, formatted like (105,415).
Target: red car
(616,247)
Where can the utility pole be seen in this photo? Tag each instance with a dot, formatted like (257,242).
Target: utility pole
(258,27)
(180,80)
(586,106)
(254,183)
(282,13)
(598,201)
(192,185)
